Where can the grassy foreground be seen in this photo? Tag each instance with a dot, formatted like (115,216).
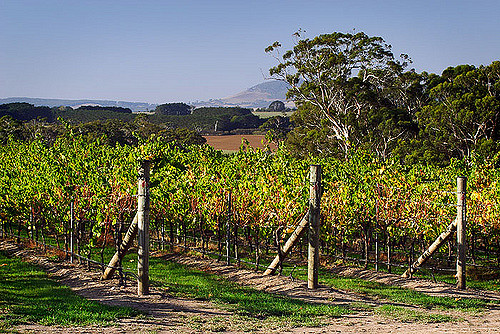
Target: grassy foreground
(394,294)
(399,295)
(187,282)
(179,279)
(28,295)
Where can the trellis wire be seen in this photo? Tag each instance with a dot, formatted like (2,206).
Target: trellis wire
(159,241)
(102,265)
(417,202)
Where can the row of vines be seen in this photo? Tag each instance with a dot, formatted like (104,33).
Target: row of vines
(364,199)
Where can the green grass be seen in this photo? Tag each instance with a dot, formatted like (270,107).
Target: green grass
(183,281)
(490,285)
(407,315)
(180,280)
(247,324)
(253,308)
(28,295)
(396,294)
(401,295)
(483,284)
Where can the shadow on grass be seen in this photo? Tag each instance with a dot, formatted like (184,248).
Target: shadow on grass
(403,295)
(27,295)
(200,285)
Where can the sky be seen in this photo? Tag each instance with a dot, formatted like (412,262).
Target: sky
(188,50)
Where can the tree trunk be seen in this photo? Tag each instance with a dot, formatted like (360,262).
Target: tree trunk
(184,232)
(219,239)
(103,246)
(118,243)
(43,237)
(473,247)
(163,240)
(236,244)
(277,235)
(57,241)
(202,235)
(19,226)
(449,260)
(249,238)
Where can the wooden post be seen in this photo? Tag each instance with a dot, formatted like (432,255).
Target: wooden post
(432,249)
(376,233)
(228,229)
(71,227)
(389,267)
(461,231)
(143,229)
(314,218)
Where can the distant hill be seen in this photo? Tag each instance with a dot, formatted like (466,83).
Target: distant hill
(134,106)
(258,96)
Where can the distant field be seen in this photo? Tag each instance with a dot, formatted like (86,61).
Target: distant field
(233,142)
(269,114)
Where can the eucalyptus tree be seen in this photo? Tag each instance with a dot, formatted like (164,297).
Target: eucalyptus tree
(464,113)
(344,77)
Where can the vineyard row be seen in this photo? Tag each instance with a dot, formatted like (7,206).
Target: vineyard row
(366,203)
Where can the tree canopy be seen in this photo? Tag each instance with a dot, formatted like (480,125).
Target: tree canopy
(100,108)
(276,106)
(463,115)
(342,75)
(173,109)
(25,111)
(351,80)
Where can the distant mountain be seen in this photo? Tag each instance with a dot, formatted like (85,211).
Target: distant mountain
(258,96)
(134,106)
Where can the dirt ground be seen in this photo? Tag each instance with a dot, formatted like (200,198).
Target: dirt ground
(169,314)
(233,142)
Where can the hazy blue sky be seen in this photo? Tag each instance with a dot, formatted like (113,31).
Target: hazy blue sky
(168,51)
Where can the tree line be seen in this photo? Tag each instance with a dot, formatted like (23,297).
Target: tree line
(172,121)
